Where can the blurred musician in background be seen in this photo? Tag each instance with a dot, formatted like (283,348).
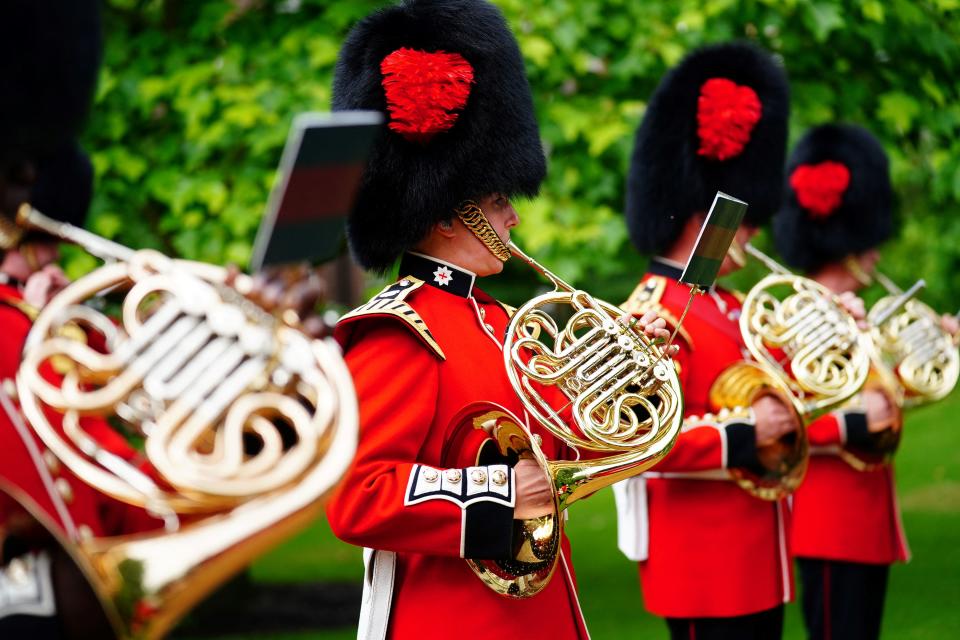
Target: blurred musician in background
(846,527)
(713,558)
(49,57)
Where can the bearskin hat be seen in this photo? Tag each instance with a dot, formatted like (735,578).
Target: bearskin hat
(716,122)
(64,185)
(838,200)
(461,125)
(49,59)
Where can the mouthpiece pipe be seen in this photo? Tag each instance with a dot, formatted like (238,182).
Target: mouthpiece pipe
(768,262)
(887,283)
(107,250)
(539,268)
(898,304)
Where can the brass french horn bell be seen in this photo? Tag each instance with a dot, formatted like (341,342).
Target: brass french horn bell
(247,423)
(594,383)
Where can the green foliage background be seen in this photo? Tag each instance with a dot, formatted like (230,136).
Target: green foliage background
(196,97)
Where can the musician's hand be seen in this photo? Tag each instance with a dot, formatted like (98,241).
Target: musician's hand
(534,492)
(855,307)
(774,419)
(653,326)
(881,414)
(950,324)
(42,285)
(293,289)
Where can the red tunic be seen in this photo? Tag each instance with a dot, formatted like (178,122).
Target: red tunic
(419,353)
(32,474)
(840,513)
(713,549)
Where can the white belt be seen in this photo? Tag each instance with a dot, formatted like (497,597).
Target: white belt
(828,450)
(379,571)
(711,474)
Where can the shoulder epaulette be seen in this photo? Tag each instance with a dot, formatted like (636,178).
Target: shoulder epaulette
(647,296)
(391,302)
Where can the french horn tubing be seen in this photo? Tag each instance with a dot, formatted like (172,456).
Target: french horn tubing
(806,349)
(595,384)
(247,423)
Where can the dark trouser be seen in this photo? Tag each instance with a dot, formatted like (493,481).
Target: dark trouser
(842,600)
(76,614)
(766,625)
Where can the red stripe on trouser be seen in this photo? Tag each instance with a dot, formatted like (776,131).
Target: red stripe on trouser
(826,601)
(693,631)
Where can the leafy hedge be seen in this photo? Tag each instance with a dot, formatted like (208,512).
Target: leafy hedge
(196,97)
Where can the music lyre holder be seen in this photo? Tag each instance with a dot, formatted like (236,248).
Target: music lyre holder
(713,242)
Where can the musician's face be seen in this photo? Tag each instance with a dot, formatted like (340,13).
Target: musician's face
(867,263)
(29,258)
(868,260)
(474,254)
(744,234)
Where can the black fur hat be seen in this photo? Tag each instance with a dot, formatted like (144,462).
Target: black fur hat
(49,58)
(716,122)
(64,185)
(838,200)
(461,120)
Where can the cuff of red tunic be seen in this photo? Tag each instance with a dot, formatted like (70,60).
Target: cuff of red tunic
(857,433)
(741,445)
(464,487)
(859,436)
(487,531)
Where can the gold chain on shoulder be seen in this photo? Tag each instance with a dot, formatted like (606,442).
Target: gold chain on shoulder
(10,233)
(472,216)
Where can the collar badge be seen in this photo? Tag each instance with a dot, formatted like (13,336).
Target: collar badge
(442,276)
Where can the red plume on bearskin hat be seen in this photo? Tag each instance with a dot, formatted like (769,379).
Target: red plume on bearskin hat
(716,122)
(449,76)
(838,200)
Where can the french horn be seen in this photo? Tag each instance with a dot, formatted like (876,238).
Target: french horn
(914,346)
(594,383)
(806,349)
(246,422)
(914,362)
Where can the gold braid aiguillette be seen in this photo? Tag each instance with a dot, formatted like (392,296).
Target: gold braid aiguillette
(472,216)
(10,233)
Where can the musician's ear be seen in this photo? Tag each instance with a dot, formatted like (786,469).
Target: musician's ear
(445,228)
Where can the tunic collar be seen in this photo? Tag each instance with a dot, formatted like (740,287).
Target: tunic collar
(438,273)
(660,266)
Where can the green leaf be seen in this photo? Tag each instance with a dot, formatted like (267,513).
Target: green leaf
(898,110)
(672,53)
(212,193)
(604,135)
(956,183)
(931,88)
(537,49)
(823,18)
(873,10)
(107,224)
